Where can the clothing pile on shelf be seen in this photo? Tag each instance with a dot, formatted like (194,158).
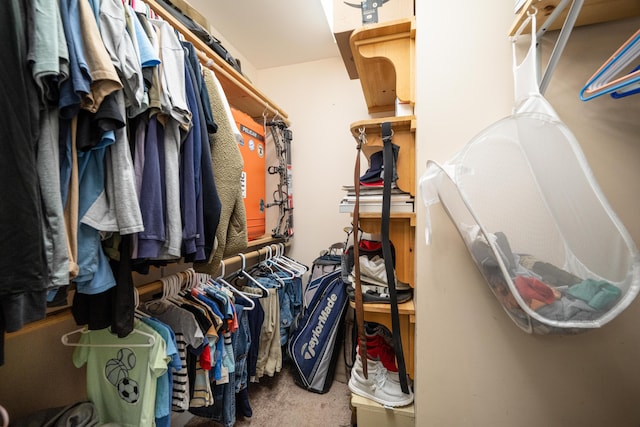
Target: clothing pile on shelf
(195,348)
(120,154)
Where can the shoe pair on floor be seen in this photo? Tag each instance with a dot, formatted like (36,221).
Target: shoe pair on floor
(381,386)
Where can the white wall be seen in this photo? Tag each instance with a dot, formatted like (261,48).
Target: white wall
(321,103)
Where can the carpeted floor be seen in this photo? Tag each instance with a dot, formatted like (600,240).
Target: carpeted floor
(277,401)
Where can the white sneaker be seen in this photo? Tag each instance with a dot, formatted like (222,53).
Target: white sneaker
(357,365)
(378,387)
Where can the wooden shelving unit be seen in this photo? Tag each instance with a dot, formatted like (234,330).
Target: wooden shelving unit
(402,234)
(379,313)
(404,129)
(384,58)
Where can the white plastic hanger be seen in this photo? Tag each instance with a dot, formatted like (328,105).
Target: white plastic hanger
(282,264)
(4,417)
(65,340)
(174,284)
(245,297)
(267,263)
(168,291)
(297,265)
(242,272)
(606,79)
(136,301)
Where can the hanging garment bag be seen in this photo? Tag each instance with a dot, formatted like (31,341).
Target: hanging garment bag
(534,219)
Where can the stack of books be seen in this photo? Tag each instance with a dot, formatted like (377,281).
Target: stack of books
(371,199)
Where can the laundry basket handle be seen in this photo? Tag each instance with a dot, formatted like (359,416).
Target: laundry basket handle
(526,76)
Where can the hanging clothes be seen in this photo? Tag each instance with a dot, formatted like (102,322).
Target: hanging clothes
(205,190)
(135,142)
(190,150)
(188,335)
(49,59)
(24,284)
(231,232)
(269,359)
(165,381)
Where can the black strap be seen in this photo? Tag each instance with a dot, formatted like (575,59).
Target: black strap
(388,177)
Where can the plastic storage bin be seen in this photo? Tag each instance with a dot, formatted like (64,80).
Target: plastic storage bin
(253,173)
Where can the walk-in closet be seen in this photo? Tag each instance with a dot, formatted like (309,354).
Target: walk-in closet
(332,213)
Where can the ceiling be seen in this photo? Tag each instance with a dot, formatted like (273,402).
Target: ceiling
(272,33)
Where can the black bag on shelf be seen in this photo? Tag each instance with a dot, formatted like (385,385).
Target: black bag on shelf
(201,33)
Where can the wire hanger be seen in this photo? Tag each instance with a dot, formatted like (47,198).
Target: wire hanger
(605,79)
(65,340)
(265,115)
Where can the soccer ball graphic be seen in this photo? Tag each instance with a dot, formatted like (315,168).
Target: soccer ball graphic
(128,390)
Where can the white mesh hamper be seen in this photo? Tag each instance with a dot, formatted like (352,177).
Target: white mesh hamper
(534,219)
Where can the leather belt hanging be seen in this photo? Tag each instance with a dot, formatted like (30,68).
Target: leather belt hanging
(362,339)
(388,176)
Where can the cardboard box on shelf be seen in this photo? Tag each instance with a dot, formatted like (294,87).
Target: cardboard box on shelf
(348,15)
(372,414)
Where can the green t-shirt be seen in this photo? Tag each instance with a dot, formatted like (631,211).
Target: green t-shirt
(122,373)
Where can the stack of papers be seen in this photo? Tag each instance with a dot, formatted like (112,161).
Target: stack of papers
(371,200)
